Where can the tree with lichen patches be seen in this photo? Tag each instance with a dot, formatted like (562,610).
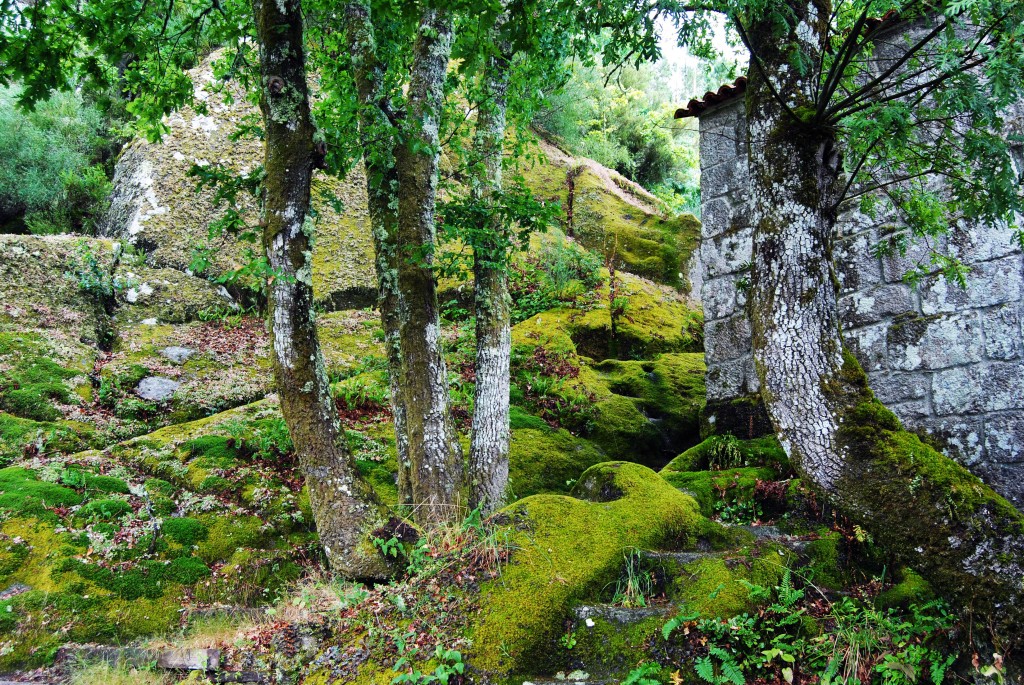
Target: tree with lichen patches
(394,70)
(510,56)
(875,99)
(344,506)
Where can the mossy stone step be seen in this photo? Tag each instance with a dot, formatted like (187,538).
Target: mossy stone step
(774,534)
(568,681)
(662,558)
(588,613)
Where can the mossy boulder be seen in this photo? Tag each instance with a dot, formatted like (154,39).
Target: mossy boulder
(223,365)
(652,320)
(42,379)
(726,451)
(566,549)
(615,217)
(718,586)
(167,296)
(156,207)
(715,490)
(111,544)
(647,410)
(546,460)
(909,588)
(351,340)
(57,285)
(21,437)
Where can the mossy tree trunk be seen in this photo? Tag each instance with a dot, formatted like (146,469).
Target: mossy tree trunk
(489,440)
(917,503)
(344,506)
(401,151)
(379,142)
(433,447)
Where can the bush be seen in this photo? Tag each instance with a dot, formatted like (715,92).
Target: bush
(52,180)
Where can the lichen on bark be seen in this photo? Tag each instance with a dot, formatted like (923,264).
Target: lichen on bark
(344,506)
(924,508)
(489,439)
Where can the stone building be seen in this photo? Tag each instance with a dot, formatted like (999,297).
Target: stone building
(949,362)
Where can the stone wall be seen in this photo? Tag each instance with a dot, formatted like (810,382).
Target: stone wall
(949,362)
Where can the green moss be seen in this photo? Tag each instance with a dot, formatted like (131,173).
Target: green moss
(610,648)
(656,320)
(186,570)
(824,557)
(566,548)
(647,410)
(107,484)
(107,530)
(33,382)
(45,547)
(128,585)
(92,617)
(716,587)
(546,460)
(215,447)
(215,484)
(226,534)
(158,486)
(725,451)
(928,510)
(910,589)
(712,487)
(19,436)
(12,556)
(250,577)
(381,477)
(185,531)
(105,509)
(614,217)
(519,419)
(25,495)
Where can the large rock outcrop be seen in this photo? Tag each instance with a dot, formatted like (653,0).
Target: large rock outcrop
(155,206)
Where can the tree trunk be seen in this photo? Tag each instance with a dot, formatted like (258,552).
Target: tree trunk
(921,506)
(489,441)
(379,143)
(344,506)
(433,447)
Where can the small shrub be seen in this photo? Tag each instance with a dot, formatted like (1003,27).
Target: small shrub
(52,179)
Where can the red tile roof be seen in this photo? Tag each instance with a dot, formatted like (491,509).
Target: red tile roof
(695,107)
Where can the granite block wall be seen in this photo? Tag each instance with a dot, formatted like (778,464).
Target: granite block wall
(948,361)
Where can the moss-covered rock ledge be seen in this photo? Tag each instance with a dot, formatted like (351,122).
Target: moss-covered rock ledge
(565,547)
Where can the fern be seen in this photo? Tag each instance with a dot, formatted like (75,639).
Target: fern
(731,672)
(706,670)
(789,595)
(641,675)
